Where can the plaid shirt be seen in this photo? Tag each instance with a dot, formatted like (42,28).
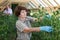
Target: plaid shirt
(20,25)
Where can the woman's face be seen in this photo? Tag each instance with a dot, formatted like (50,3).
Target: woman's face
(23,13)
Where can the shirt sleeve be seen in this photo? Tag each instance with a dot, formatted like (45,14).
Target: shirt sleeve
(20,26)
(5,11)
(10,11)
(31,18)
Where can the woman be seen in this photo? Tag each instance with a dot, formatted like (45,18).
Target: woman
(23,25)
(8,10)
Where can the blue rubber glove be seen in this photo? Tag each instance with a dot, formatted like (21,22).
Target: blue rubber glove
(46,28)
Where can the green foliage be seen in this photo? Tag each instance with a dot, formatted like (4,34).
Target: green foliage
(54,21)
(7,27)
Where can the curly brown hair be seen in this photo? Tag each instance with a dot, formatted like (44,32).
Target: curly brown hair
(18,10)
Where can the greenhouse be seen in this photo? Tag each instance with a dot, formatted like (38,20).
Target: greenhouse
(29,19)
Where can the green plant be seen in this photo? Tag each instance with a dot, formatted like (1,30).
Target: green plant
(7,27)
(54,21)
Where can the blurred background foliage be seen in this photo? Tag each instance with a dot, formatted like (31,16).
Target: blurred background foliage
(47,19)
(7,27)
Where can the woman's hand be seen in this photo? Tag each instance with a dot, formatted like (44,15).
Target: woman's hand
(46,28)
(36,19)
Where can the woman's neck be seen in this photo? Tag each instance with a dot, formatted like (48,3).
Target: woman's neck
(22,18)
